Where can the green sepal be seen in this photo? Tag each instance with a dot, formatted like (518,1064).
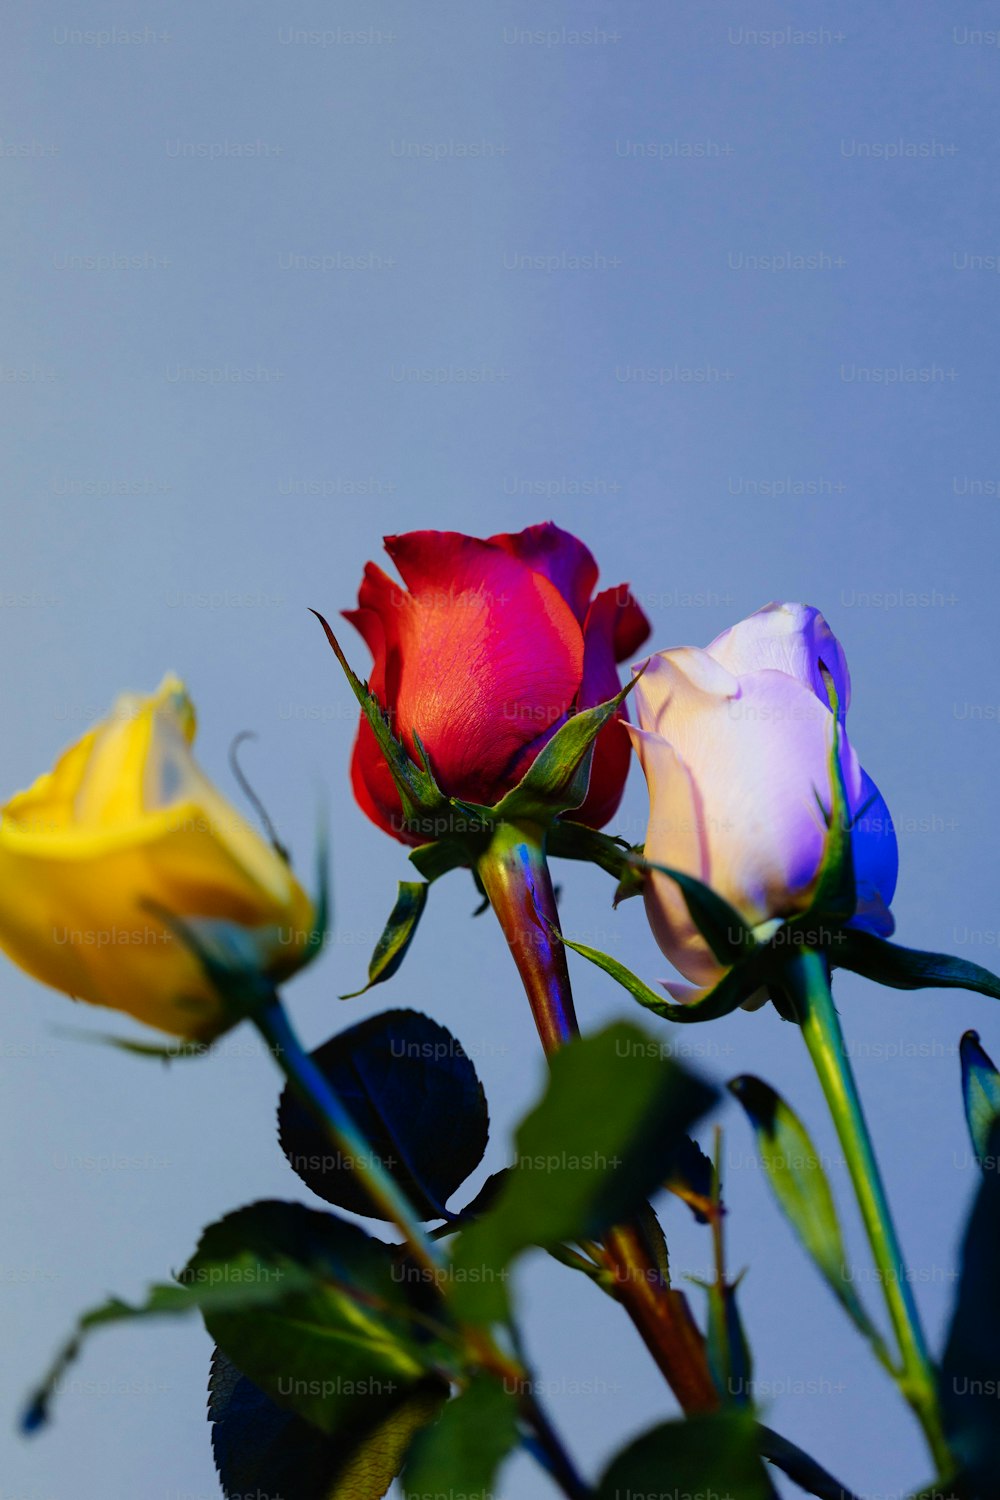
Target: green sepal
(321,924)
(909,968)
(398,933)
(228,967)
(569,840)
(801,1187)
(167,1053)
(558,778)
(419,793)
(724,930)
(735,986)
(835,893)
(729,1357)
(556,781)
(980,1093)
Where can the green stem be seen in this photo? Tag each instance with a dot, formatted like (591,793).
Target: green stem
(309,1083)
(551,1452)
(808,981)
(311,1086)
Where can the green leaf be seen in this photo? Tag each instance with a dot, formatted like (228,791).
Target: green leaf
(462,1453)
(261,1449)
(230,1284)
(720,924)
(800,1185)
(558,777)
(970,1369)
(392,946)
(340,1345)
(737,985)
(704,1455)
(980,1091)
(413,1095)
(587,1156)
(908,968)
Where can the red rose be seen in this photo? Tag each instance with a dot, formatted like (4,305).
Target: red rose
(484,653)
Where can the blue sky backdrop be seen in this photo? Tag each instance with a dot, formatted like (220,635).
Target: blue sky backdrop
(713,286)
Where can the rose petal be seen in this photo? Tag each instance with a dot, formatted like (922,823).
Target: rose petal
(791,638)
(675,682)
(633,628)
(561,557)
(756,761)
(490,658)
(876,859)
(612,751)
(674,837)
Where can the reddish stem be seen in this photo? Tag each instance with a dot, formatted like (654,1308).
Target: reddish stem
(515,876)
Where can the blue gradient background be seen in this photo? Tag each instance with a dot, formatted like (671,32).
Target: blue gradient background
(155,520)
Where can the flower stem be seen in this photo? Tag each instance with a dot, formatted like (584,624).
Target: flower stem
(310,1084)
(515,876)
(808,981)
(316,1094)
(551,1452)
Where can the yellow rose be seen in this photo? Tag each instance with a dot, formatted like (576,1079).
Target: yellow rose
(125,826)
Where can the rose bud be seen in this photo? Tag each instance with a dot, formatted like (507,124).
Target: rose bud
(484,653)
(735,742)
(125,831)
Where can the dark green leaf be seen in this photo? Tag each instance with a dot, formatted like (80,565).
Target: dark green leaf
(344,1344)
(462,1453)
(415,1097)
(691,1178)
(391,948)
(908,968)
(587,1156)
(264,1450)
(705,1455)
(800,1185)
(800,1468)
(980,1091)
(476,1206)
(970,1370)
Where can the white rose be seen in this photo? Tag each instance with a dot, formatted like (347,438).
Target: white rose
(735,741)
